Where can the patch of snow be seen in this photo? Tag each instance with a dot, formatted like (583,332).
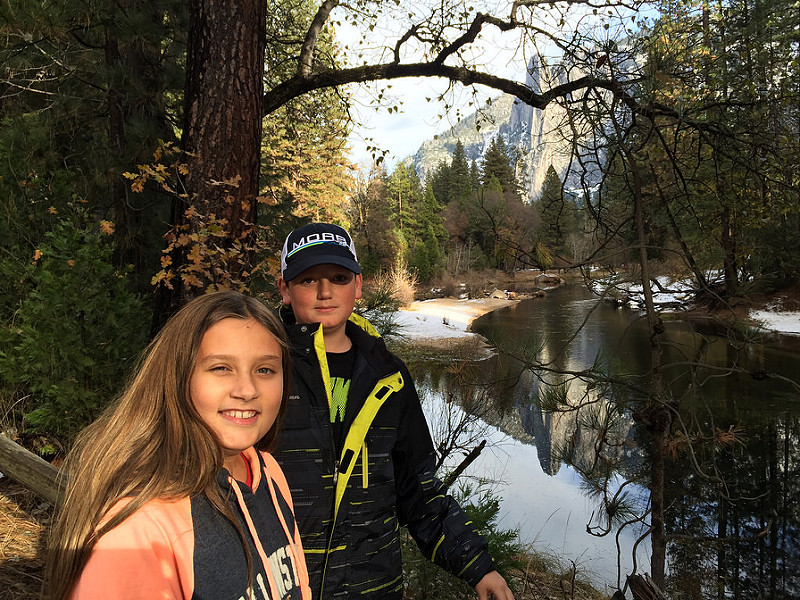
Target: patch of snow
(444,317)
(415,324)
(780,322)
(666,292)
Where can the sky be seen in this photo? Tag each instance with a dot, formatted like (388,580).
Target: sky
(401,133)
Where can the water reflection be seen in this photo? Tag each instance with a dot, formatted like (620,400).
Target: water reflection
(732,528)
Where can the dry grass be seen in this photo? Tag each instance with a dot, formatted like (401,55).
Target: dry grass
(24,519)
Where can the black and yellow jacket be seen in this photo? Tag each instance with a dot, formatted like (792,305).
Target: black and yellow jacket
(349,505)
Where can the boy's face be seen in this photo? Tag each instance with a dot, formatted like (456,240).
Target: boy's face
(323,294)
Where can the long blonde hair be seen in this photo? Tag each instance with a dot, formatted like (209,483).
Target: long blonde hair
(151,443)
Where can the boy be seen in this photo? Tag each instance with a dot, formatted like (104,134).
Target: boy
(355,445)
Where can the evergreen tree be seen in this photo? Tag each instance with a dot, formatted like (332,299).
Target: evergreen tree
(474,176)
(553,212)
(429,237)
(405,192)
(459,174)
(497,164)
(88,90)
(376,237)
(442,183)
(305,167)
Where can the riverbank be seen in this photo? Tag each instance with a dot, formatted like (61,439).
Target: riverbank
(444,322)
(440,328)
(440,319)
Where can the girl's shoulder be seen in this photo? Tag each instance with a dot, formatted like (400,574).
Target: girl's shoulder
(149,554)
(156,521)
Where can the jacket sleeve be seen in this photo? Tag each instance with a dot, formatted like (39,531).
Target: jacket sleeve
(435,520)
(146,557)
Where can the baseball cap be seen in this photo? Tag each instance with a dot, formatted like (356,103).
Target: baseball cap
(317,244)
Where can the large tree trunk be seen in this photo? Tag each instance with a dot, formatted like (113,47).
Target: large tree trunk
(222,128)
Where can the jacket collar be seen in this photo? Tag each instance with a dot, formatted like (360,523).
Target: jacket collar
(364,335)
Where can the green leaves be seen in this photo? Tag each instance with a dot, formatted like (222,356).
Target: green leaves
(76,334)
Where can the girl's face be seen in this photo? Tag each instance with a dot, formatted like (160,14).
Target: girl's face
(237,383)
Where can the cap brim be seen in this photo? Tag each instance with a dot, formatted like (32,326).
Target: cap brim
(301,264)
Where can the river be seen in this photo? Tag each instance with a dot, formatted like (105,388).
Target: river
(747,493)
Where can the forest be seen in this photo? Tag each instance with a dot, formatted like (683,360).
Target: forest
(154,151)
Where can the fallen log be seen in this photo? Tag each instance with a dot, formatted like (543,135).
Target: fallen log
(30,470)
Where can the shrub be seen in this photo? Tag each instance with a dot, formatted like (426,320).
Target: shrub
(76,333)
(426,580)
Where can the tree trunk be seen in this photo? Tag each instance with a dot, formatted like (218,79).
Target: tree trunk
(655,415)
(728,243)
(222,128)
(134,108)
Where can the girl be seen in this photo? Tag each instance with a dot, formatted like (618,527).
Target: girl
(167,495)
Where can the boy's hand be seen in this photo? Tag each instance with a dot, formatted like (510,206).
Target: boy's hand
(493,586)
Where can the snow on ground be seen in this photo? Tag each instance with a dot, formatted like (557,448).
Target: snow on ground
(780,322)
(678,294)
(444,317)
(667,293)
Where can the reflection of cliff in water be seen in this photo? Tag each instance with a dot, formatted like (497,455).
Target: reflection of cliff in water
(515,410)
(732,518)
(571,435)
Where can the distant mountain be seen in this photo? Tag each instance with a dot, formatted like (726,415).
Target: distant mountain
(475,131)
(542,137)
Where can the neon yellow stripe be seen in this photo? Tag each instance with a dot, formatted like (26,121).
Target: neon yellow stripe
(364,324)
(322,357)
(436,547)
(354,441)
(469,564)
(323,550)
(364,466)
(395,581)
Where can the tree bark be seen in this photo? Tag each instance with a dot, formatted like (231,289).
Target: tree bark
(30,470)
(222,126)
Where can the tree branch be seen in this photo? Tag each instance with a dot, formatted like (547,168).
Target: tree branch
(302,84)
(306,60)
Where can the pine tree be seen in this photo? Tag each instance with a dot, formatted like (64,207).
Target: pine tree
(553,212)
(405,192)
(305,167)
(497,164)
(429,237)
(459,174)
(442,182)
(112,89)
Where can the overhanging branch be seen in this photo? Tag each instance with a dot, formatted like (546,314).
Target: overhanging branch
(299,85)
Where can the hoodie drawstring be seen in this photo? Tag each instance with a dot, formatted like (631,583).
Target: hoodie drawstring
(295,552)
(273,589)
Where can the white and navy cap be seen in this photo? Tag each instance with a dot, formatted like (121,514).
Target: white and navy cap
(317,244)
